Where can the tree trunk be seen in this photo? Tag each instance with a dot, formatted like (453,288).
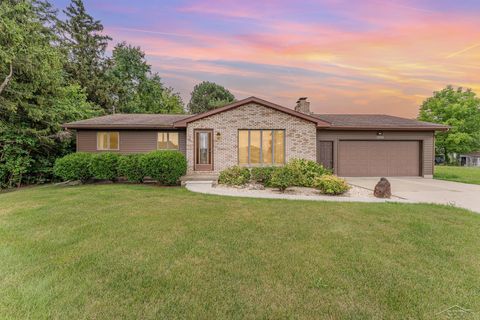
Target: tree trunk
(7,79)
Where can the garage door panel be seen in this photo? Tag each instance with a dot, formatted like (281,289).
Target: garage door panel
(378,158)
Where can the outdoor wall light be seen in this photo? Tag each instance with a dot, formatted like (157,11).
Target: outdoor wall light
(379,133)
(218,135)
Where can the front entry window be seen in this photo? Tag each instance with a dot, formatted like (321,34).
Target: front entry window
(203,148)
(261,147)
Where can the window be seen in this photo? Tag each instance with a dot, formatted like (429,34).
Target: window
(108,140)
(261,147)
(167,140)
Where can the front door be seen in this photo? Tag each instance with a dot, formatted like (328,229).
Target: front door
(203,150)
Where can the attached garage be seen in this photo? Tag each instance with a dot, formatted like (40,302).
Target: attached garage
(379,158)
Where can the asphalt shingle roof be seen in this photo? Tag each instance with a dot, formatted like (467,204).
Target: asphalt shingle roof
(373,121)
(147,121)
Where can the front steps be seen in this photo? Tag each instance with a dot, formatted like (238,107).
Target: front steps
(199,178)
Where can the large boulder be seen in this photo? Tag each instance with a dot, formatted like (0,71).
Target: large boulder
(383,189)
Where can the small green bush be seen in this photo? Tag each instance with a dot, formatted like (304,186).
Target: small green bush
(129,166)
(282,179)
(164,166)
(75,166)
(304,172)
(105,166)
(263,174)
(330,184)
(234,176)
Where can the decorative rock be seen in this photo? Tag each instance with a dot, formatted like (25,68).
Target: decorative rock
(383,189)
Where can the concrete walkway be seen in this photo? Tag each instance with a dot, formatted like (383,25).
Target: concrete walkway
(207,188)
(407,190)
(418,189)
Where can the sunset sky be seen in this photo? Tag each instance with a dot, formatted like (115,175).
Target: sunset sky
(368,56)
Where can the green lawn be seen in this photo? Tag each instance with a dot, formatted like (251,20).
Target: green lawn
(459,174)
(144,252)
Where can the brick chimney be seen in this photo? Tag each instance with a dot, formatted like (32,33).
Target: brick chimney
(303,105)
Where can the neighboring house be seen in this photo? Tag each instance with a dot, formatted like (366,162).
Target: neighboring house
(255,132)
(470,159)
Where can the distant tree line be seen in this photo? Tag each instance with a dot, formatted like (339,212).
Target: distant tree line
(54,71)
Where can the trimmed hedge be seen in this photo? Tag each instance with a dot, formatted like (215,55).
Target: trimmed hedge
(263,174)
(75,166)
(332,185)
(282,179)
(129,166)
(305,172)
(164,166)
(234,176)
(105,166)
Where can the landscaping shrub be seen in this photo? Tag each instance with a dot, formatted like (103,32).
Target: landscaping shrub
(263,174)
(105,166)
(129,166)
(164,166)
(330,184)
(304,172)
(234,176)
(282,179)
(75,166)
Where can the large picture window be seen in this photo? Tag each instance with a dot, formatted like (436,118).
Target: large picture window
(108,140)
(167,140)
(261,147)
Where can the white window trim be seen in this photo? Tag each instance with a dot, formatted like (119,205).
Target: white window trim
(168,139)
(108,149)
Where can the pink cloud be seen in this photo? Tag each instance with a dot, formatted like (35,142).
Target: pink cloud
(391,66)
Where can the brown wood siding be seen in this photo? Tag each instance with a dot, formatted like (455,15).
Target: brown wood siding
(325,153)
(378,158)
(425,137)
(131,141)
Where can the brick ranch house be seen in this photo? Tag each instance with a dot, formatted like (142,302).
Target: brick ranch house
(255,132)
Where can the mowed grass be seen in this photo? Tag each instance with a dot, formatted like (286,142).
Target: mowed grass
(144,252)
(460,174)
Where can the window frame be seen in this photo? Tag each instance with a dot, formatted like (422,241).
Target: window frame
(261,163)
(168,140)
(108,133)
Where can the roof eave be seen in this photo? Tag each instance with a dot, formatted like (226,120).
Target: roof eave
(118,126)
(363,128)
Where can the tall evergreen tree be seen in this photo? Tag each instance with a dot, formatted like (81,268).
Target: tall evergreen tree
(85,44)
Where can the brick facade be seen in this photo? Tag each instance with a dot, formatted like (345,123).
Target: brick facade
(300,134)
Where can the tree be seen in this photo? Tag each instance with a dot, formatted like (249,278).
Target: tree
(207,96)
(459,109)
(85,45)
(134,88)
(34,101)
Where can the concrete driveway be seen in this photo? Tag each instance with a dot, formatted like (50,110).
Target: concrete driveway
(428,190)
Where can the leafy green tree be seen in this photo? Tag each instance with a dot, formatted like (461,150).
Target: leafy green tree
(85,44)
(154,97)
(207,96)
(459,109)
(33,100)
(134,88)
